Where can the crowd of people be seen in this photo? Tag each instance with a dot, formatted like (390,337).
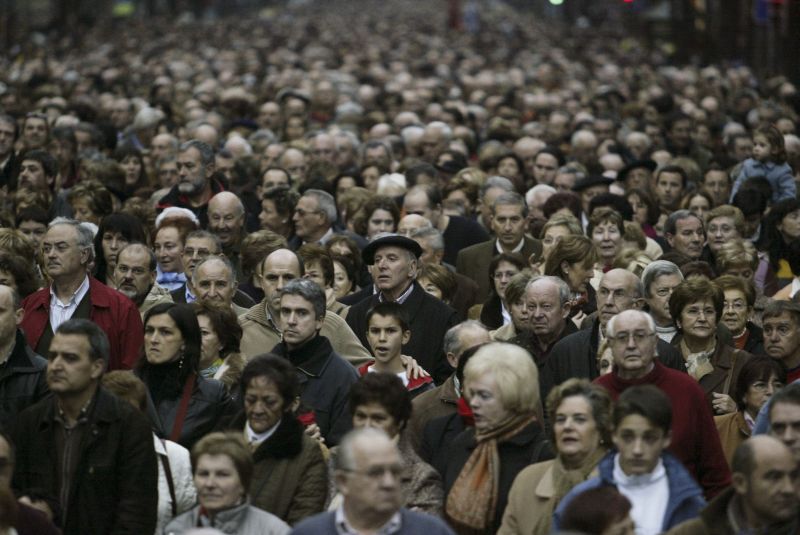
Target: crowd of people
(359,267)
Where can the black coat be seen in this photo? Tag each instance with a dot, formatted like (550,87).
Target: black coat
(437,436)
(22,381)
(430,319)
(527,447)
(115,490)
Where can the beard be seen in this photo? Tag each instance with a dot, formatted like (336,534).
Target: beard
(187,188)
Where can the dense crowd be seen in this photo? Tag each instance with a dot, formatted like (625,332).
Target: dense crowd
(381,267)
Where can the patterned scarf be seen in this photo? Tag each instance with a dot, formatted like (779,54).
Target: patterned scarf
(472,500)
(698,365)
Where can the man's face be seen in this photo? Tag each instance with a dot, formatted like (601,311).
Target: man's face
(160,147)
(372,486)
(615,294)
(742,148)
(660,291)
(782,338)
(386,337)
(299,322)
(508,224)
(547,315)
(784,421)
(33,230)
(226,220)
(545,167)
(274,178)
(195,251)
(432,143)
(323,148)
(308,219)
(681,133)
(34,133)
(721,230)
(669,190)
(62,256)
(70,368)
(638,178)
(271,155)
(410,223)
(345,153)
(294,161)
(214,283)
(191,172)
(224,165)
(564,181)
(279,268)
(269,116)
(487,201)
(121,113)
(417,203)
(429,255)
(719,185)
(393,269)
(640,444)
(31,175)
(6,139)
(590,193)
(689,237)
(133,275)
(633,346)
(9,316)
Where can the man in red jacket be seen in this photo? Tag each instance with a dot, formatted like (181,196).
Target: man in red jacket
(695,442)
(68,252)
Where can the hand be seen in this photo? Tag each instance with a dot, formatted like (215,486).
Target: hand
(723,403)
(412,367)
(39,505)
(314,432)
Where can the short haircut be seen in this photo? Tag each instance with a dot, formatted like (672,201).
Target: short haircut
(45,159)
(564,293)
(731,282)
(510,198)
(284,198)
(515,374)
(385,389)
(789,394)
(673,169)
(390,310)
(515,289)
(325,203)
(152,262)
(345,460)
(595,510)
(225,324)
(432,235)
(595,395)
(670,227)
(496,182)
(125,385)
(205,150)
(256,246)
(233,446)
(611,326)
(308,290)
(776,309)
(757,368)
(605,215)
(312,253)
(205,235)
(657,269)
(559,201)
(278,370)
(441,277)
(98,341)
(726,210)
(647,401)
(85,235)
(452,338)
(215,258)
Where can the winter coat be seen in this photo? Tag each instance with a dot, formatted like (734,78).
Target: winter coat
(22,381)
(180,467)
(241,520)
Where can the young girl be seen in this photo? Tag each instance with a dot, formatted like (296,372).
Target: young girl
(769,160)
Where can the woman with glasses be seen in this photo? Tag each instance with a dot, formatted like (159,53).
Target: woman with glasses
(494,313)
(737,311)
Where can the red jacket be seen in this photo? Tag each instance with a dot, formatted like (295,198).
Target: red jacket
(695,440)
(111,311)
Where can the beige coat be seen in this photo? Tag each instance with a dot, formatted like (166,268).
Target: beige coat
(260,335)
(504,334)
(156,296)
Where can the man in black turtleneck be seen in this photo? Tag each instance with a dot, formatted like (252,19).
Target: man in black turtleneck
(325,377)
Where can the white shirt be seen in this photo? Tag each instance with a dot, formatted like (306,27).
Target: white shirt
(61,312)
(258,438)
(516,249)
(648,494)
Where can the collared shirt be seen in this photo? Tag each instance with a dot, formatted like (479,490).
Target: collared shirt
(400,300)
(61,312)
(190,297)
(343,527)
(516,249)
(505,313)
(254,439)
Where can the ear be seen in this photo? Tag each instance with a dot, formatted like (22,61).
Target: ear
(565,309)
(340,478)
(97,368)
(439,255)
(564,267)
(638,303)
(452,360)
(667,440)
(406,337)
(18,315)
(739,483)
(670,239)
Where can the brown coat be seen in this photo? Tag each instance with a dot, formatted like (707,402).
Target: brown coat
(727,363)
(441,401)
(733,430)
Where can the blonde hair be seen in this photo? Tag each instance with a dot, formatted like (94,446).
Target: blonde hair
(514,372)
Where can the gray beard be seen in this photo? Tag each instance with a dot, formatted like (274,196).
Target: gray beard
(187,188)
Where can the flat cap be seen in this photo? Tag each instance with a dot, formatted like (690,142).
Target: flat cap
(591,180)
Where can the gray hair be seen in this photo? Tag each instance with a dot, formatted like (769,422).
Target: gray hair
(98,341)
(452,342)
(496,182)
(84,232)
(325,203)
(657,269)
(432,235)
(349,136)
(218,258)
(612,323)
(308,290)
(345,459)
(205,150)
(204,234)
(564,292)
(679,215)
(443,129)
(511,198)
(152,261)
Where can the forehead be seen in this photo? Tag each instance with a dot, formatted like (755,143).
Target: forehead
(32,163)
(383,321)
(308,202)
(733,293)
(785,317)
(632,322)
(387,250)
(616,280)
(688,223)
(71,343)
(545,158)
(197,243)
(785,412)
(282,263)
(226,205)
(721,220)
(637,422)
(134,256)
(369,453)
(296,302)
(34,121)
(417,199)
(276,175)
(671,177)
(508,209)
(542,289)
(191,154)
(61,232)
(167,234)
(213,269)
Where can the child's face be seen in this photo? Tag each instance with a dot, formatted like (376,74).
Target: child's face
(386,337)
(762,150)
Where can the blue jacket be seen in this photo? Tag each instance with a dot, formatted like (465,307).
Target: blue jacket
(411,524)
(780,177)
(685,495)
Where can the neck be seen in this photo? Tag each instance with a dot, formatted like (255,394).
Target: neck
(444,220)
(65,286)
(573,462)
(72,404)
(509,249)
(316,236)
(393,365)
(664,323)
(697,345)
(139,298)
(630,375)
(365,522)
(754,521)
(201,197)
(549,338)
(393,293)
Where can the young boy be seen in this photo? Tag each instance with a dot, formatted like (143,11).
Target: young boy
(387,333)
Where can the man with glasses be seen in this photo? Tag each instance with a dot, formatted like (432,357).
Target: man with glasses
(367,471)
(314,218)
(695,441)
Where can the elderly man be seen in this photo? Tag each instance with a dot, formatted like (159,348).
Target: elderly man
(68,251)
(367,473)
(489,192)
(163,146)
(395,260)
(685,233)
(226,219)
(659,279)
(509,222)
(435,139)
(261,324)
(695,441)
(70,446)
(314,217)
(576,355)
(326,377)
(296,162)
(214,280)
(135,275)
(762,499)
(35,132)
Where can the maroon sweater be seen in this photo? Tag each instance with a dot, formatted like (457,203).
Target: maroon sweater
(695,440)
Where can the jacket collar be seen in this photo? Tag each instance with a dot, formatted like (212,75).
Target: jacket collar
(311,358)
(22,356)
(258,314)
(286,442)
(104,408)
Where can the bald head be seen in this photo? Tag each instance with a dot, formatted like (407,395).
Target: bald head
(280,267)
(226,218)
(412,222)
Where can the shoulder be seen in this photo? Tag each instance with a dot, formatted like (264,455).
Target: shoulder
(318,524)
(210,389)
(421,521)
(477,248)
(37,298)
(531,474)
(182,522)
(339,366)
(262,520)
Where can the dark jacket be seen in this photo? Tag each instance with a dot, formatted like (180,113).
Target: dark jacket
(411,524)
(239,297)
(473,261)
(527,447)
(115,490)
(755,339)
(430,320)
(437,436)
(176,198)
(441,401)
(325,380)
(685,496)
(22,381)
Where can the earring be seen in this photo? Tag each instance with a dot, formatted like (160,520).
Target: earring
(180,359)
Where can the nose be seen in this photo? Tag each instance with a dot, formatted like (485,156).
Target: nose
(770,389)
(637,447)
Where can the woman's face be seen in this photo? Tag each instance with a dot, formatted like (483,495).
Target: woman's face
(380,221)
(519,314)
(551,237)
(376,416)
(344,184)
(218,484)
(263,404)
(483,396)
(759,393)
(735,311)
(699,206)
(270,219)
(168,174)
(608,240)
(507,167)
(211,345)
(698,320)
(790,226)
(460,198)
(163,341)
(575,429)
(639,208)
(430,287)
(132,168)
(82,211)
(370,176)
(113,242)
(578,276)
(720,231)
(169,248)
(502,276)
(341,282)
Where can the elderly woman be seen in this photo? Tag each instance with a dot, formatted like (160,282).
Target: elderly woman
(517,307)
(558,226)
(606,229)
(572,260)
(381,401)
(289,475)
(723,224)
(501,386)
(223,470)
(758,380)
(494,312)
(740,298)
(580,415)
(186,405)
(696,305)
(220,334)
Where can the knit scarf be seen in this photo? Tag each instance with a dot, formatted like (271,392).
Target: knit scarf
(698,364)
(472,500)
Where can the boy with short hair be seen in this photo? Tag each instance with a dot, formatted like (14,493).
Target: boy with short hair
(387,332)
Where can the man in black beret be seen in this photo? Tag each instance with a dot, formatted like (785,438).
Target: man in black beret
(394,261)
(637,174)
(588,188)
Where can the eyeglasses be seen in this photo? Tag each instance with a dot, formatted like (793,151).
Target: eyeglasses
(638,337)
(302,213)
(737,306)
